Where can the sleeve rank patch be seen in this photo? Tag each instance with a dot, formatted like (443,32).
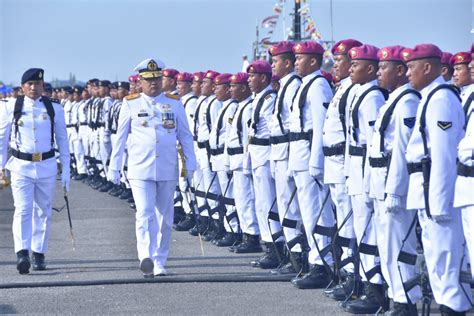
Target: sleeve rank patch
(172,96)
(409,121)
(444,125)
(132,96)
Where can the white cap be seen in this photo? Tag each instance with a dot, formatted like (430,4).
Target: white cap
(150,68)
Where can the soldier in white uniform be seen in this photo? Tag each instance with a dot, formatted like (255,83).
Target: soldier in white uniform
(75,138)
(446,67)
(334,140)
(236,143)
(306,162)
(462,79)
(105,146)
(31,125)
(431,156)
(389,181)
(169,81)
(152,122)
(219,157)
(83,133)
(363,112)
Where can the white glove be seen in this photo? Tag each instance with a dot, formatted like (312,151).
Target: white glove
(393,203)
(441,218)
(113,176)
(65,180)
(289,174)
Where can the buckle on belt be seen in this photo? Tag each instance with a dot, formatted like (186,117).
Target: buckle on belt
(36,156)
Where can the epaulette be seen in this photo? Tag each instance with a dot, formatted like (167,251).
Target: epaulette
(172,96)
(132,96)
(55,100)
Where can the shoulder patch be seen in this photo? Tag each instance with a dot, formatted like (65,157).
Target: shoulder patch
(172,96)
(409,121)
(444,125)
(132,96)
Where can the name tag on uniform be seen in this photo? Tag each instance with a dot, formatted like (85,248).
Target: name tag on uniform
(168,120)
(142,114)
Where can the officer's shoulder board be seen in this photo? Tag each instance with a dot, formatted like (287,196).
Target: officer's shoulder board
(132,96)
(172,96)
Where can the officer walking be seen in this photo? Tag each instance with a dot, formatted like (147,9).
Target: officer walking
(32,124)
(152,122)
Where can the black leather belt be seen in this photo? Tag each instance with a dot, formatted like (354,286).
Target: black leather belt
(235,150)
(217,151)
(356,151)
(100,125)
(33,157)
(203,145)
(259,141)
(335,150)
(301,136)
(378,162)
(70,125)
(275,140)
(414,167)
(195,138)
(465,170)
(83,124)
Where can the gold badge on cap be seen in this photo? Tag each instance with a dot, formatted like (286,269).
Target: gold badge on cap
(341,48)
(384,54)
(353,53)
(460,58)
(40,75)
(152,65)
(298,48)
(405,55)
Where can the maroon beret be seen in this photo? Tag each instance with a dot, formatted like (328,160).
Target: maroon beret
(198,76)
(260,67)
(169,72)
(343,46)
(184,76)
(421,51)
(222,79)
(391,53)
(239,78)
(460,58)
(281,48)
(134,78)
(308,47)
(364,52)
(211,74)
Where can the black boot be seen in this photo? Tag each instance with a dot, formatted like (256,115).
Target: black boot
(402,309)
(220,231)
(446,311)
(227,240)
(106,187)
(126,194)
(271,259)
(186,224)
(342,290)
(38,261)
(80,177)
(370,302)
(200,227)
(237,242)
(23,261)
(212,230)
(316,278)
(291,267)
(250,244)
(178,214)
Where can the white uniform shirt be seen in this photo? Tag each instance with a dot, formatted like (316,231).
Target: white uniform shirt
(211,105)
(190,103)
(68,111)
(34,136)
(444,130)
(303,153)
(151,126)
(396,136)
(244,112)
(280,151)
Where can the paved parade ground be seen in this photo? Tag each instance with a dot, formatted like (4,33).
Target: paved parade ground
(102,275)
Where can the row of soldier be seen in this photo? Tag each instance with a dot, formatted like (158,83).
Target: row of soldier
(333,181)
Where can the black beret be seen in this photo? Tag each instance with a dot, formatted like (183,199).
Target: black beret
(16,88)
(93,82)
(32,74)
(77,89)
(114,85)
(104,83)
(67,89)
(48,87)
(123,84)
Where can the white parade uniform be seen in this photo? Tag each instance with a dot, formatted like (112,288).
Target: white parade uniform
(334,140)
(236,144)
(84,130)
(358,140)
(76,138)
(306,142)
(33,182)
(392,228)
(444,130)
(105,146)
(285,186)
(219,157)
(152,126)
(259,157)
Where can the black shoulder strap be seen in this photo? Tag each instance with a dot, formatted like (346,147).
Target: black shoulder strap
(342,108)
(239,121)
(304,93)
(208,114)
(467,105)
(388,114)
(355,110)
(281,99)
(189,99)
(50,110)
(258,108)
(221,119)
(425,106)
(196,115)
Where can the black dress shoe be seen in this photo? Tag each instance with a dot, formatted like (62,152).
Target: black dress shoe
(38,261)
(133,206)
(126,194)
(178,214)
(341,291)
(446,311)
(250,244)
(23,262)
(80,177)
(228,240)
(317,278)
(200,227)
(186,224)
(285,269)
(106,187)
(402,309)
(368,303)
(271,259)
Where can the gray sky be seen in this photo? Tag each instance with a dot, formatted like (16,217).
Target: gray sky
(107,38)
